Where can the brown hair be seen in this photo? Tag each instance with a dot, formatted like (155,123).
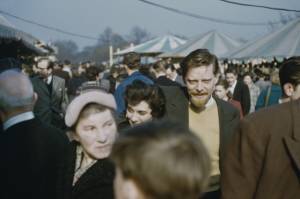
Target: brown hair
(132,60)
(197,58)
(164,159)
(160,66)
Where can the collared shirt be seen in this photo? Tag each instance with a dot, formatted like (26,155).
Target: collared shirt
(119,93)
(17,119)
(49,79)
(210,102)
(231,88)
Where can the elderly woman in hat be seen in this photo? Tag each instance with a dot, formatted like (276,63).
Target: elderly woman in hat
(90,117)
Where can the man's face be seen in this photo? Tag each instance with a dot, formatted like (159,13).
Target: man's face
(231,78)
(42,69)
(200,82)
(247,80)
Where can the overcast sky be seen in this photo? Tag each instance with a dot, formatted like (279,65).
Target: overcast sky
(91,17)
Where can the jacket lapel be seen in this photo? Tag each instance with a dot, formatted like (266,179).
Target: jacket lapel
(293,142)
(54,87)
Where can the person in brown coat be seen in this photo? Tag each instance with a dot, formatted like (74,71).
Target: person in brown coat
(263,159)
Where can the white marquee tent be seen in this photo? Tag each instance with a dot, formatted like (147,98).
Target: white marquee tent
(284,42)
(217,43)
(155,46)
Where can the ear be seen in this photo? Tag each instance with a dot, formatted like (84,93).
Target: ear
(35,97)
(288,89)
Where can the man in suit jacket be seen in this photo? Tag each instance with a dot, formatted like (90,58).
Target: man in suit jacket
(212,120)
(52,96)
(32,155)
(263,159)
(238,89)
(159,70)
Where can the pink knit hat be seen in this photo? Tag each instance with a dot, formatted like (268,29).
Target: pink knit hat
(91,96)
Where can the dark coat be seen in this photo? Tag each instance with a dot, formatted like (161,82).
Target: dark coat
(177,110)
(263,159)
(32,161)
(95,183)
(242,94)
(164,81)
(50,105)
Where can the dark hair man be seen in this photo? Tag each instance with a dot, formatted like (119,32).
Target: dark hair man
(52,101)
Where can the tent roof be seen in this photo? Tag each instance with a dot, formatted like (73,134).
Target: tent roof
(9,33)
(155,46)
(284,42)
(217,43)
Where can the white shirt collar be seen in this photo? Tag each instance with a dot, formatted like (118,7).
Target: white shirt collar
(210,102)
(17,119)
(231,88)
(49,79)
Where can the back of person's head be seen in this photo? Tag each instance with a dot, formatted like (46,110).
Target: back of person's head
(198,58)
(290,71)
(139,91)
(92,73)
(159,66)
(163,159)
(132,60)
(16,91)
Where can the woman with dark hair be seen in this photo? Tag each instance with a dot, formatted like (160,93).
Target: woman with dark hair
(143,103)
(90,117)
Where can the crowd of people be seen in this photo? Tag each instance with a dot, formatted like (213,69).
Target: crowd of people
(203,128)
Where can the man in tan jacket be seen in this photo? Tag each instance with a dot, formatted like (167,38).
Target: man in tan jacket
(263,159)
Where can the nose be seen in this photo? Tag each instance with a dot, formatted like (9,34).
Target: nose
(133,117)
(199,86)
(101,136)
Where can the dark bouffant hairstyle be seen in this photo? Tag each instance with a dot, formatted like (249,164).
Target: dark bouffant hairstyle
(290,71)
(139,91)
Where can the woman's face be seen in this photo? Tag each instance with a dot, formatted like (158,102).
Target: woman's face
(96,133)
(220,92)
(139,113)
